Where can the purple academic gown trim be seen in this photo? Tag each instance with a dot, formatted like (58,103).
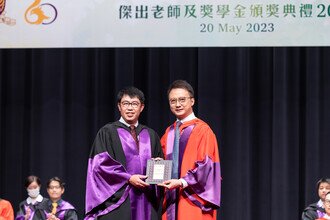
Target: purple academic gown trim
(105,176)
(320,214)
(65,206)
(33,210)
(204,180)
(171,196)
(136,162)
(22,217)
(61,209)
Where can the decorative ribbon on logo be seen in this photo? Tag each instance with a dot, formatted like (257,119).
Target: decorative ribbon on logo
(2,6)
(36,10)
(3,18)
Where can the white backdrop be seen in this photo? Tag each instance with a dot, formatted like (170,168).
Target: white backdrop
(157,23)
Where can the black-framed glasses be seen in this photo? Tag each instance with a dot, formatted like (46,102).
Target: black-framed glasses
(133,104)
(54,187)
(181,100)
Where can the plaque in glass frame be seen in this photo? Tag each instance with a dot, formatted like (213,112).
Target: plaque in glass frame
(158,171)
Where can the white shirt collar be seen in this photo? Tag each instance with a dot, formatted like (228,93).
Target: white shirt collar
(29,200)
(188,118)
(125,123)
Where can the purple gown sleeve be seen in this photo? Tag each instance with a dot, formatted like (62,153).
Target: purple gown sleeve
(105,176)
(205,181)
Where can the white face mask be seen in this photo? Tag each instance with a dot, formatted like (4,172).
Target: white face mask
(33,193)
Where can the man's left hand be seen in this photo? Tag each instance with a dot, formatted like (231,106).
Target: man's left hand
(171,184)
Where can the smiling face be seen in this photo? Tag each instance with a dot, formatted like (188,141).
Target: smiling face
(55,191)
(324,188)
(130,109)
(181,102)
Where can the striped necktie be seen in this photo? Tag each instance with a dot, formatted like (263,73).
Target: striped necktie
(133,133)
(175,154)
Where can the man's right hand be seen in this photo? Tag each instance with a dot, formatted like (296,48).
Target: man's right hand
(138,181)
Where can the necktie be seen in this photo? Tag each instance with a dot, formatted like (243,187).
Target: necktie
(54,204)
(133,133)
(175,154)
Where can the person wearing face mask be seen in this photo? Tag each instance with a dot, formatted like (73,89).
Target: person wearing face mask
(30,209)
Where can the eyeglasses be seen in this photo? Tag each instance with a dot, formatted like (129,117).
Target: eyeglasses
(327,202)
(181,100)
(54,187)
(133,104)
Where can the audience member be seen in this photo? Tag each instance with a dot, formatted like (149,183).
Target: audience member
(316,210)
(56,208)
(326,207)
(6,210)
(30,209)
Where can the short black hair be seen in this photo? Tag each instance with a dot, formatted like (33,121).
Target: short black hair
(181,84)
(30,179)
(322,180)
(132,92)
(57,179)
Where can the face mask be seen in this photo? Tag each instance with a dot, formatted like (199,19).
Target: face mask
(33,193)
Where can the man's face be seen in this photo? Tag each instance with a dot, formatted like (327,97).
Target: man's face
(181,103)
(130,109)
(324,188)
(55,191)
(327,204)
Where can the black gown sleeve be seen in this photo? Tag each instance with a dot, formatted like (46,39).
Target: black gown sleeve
(71,214)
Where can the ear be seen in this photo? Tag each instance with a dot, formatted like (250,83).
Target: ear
(192,101)
(142,107)
(119,108)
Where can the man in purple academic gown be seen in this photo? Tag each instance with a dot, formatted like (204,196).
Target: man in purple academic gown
(115,187)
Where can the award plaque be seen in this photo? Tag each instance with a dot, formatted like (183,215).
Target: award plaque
(158,171)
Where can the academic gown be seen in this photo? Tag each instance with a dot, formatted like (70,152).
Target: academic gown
(199,165)
(6,210)
(114,157)
(36,210)
(64,210)
(312,212)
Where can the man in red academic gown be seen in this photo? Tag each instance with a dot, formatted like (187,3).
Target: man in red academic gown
(194,190)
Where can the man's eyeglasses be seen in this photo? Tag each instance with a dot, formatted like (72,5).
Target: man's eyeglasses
(54,187)
(133,104)
(181,100)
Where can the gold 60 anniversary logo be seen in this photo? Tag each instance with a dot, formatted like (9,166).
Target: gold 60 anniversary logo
(37,13)
(40,13)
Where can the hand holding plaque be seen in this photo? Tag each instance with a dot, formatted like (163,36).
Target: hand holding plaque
(158,171)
